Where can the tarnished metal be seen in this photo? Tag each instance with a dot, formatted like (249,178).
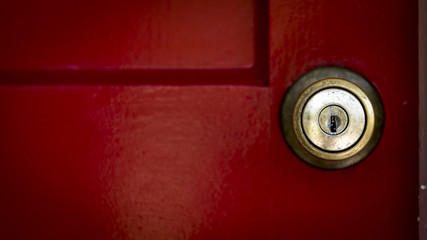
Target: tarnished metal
(332,118)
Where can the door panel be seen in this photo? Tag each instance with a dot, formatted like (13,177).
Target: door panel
(130,162)
(97,144)
(126,34)
(376,199)
(139,42)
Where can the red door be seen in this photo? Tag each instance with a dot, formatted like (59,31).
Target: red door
(160,120)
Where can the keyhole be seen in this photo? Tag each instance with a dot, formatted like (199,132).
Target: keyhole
(333,125)
(333,120)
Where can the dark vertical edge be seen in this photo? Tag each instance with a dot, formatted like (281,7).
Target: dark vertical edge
(422,88)
(261,59)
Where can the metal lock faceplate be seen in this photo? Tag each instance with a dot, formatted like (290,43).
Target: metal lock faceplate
(332,117)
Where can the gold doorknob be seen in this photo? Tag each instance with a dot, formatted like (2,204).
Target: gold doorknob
(332,117)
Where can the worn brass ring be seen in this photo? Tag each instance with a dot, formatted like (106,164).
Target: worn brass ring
(308,85)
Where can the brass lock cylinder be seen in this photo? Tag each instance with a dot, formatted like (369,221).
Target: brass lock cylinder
(332,117)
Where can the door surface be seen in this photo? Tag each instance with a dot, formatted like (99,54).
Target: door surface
(160,119)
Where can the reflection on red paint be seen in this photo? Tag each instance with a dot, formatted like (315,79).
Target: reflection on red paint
(93,154)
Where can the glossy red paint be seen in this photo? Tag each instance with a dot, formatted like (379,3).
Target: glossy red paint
(130,162)
(151,34)
(87,152)
(376,199)
(138,42)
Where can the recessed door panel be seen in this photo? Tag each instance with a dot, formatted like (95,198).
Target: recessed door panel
(113,127)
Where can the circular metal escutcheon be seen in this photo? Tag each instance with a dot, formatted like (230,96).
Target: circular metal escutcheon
(332,117)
